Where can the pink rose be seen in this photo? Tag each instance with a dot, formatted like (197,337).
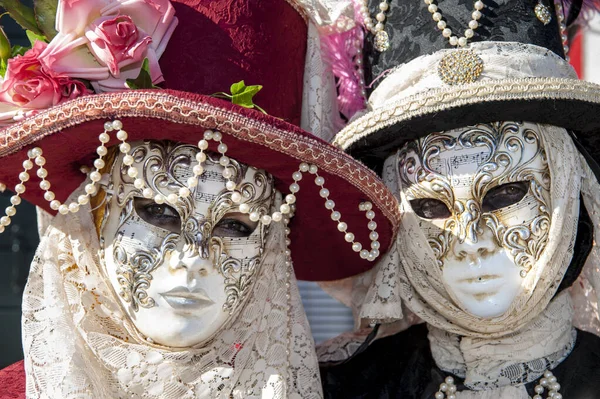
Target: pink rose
(117,42)
(28,86)
(106,41)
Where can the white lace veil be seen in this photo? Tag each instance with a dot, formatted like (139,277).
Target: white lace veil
(79,344)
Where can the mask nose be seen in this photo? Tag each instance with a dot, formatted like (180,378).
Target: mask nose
(473,249)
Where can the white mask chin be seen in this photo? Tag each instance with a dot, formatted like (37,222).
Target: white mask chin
(482,196)
(182,270)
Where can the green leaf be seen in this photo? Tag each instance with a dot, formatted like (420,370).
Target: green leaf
(34,37)
(4,45)
(244,98)
(45,16)
(238,88)
(22,14)
(144,80)
(18,50)
(3,66)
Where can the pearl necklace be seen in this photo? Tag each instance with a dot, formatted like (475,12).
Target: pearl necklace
(447,32)
(562,26)
(382,40)
(548,381)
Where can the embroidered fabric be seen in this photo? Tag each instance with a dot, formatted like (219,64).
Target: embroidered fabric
(79,343)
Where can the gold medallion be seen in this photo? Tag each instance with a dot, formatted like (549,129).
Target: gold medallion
(460,67)
(382,41)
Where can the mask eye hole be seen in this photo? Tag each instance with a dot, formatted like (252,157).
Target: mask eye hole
(159,215)
(234,225)
(504,195)
(430,208)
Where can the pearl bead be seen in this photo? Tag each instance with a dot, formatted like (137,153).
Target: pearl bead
(217,136)
(383,6)
(1,229)
(73,207)
(222,148)
(63,209)
(224,161)
(20,188)
(432,8)
(104,138)
(451,396)
(45,185)
(254,216)
(356,247)
(552,379)
(40,161)
(203,144)
(379,26)
(284,208)
(349,237)
(192,182)
(201,157)
(374,235)
(478,5)
(370,214)
(266,220)
(101,151)
(364,254)
(198,170)
(139,183)
(95,176)
(375,244)
(557,396)
(324,193)
(230,185)
(312,169)
(290,199)
(83,199)
(342,226)
(380,17)
(4,221)
(55,204)
(475,15)
(128,160)
(443,387)
(539,389)
(24,176)
(335,215)
(10,211)
(36,152)
(108,126)
(469,33)
(304,167)
(15,200)
(27,164)
(184,192)
(441,25)
(227,173)
(372,225)
(99,164)
(90,189)
(537,397)
(42,173)
(124,148)
(462,42)
(297,176)
(548,374)
(368,206)
(122,135)
(319,180)
(236,197)
(132,172)
(277,216)
(329,204)
(294,187)
(117,125)
(208,135)
(172,198)
(49,196)
(447,32)
(244,208)
(147,192)
(453,41)
(159,199)
(437,17)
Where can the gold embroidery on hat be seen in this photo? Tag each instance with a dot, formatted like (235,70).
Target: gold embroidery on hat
(460,67)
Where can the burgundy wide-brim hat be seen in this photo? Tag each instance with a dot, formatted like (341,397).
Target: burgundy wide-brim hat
(214,45)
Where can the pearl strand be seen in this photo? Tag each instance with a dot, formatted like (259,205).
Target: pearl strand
(447,32)
(286,210)
(382,41)
(562,26)
(548,381)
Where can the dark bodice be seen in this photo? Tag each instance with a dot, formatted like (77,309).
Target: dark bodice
(401,366)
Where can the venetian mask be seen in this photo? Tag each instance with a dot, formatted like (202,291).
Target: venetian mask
(482,197)
(182,270)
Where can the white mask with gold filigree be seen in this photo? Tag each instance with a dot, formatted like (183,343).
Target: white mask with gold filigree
(190,264)
(482,195)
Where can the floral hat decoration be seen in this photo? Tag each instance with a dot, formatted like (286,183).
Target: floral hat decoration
(110,72)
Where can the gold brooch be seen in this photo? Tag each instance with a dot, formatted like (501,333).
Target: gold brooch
(460,67)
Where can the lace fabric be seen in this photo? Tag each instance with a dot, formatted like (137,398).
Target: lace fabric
(78,343)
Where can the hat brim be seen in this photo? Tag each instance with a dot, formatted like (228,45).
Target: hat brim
(568,103)
(68,135)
